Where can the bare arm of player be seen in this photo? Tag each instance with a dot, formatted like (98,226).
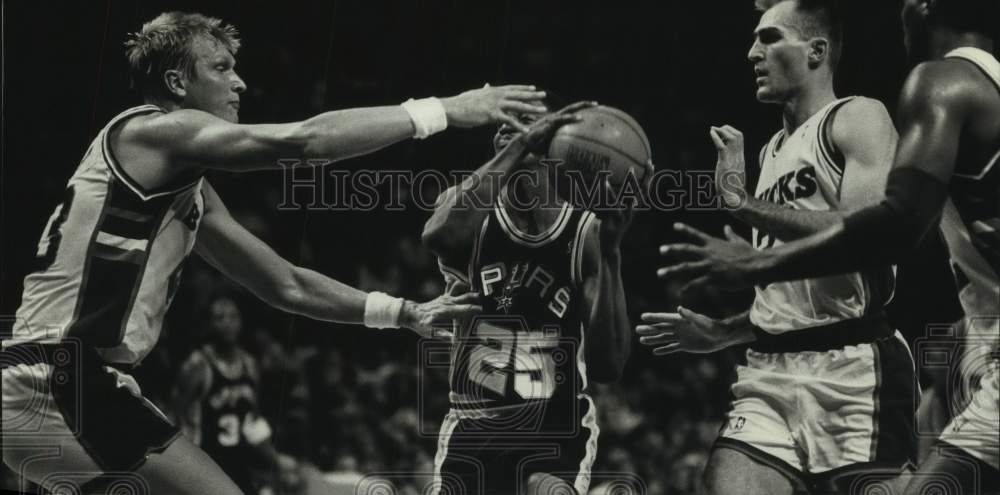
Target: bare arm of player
(240,255)
(606,323)
(863,132)
(461,208)
(933,111)
(193,382)
(192,138)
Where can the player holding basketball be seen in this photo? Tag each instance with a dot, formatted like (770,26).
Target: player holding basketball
(949,121)
(822,352)
(137,204)
(554,318)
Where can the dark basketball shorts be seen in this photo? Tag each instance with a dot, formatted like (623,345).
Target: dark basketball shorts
(478,455)
(62,400)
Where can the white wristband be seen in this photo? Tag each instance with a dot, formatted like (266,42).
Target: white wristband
(382,310)
(428,116)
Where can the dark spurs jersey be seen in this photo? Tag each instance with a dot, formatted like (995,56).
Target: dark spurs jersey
(527,346)
(971,220)
(230,404)
(230,417)
(109,258)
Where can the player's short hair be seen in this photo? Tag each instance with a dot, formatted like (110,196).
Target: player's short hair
(818,18)
(979,16)
(167,42)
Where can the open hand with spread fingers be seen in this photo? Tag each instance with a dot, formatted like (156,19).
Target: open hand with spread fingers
(433,319)
(687,331)
(490,105)
(706,261)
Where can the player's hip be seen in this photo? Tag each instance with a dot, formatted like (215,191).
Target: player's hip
(61,394)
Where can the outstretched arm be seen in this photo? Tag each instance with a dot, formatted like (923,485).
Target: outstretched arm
(863,132)
(240,255)
(192,138)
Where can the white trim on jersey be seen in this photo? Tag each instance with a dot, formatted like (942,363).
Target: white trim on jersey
(990,66)
(123,243)
(581,363)
(448,426)
(576,260)
(445,269)
(531,240)
(589,421)
(119,172)
(477,246)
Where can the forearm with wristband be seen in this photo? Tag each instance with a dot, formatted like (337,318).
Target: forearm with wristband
(382,310)
(428,116)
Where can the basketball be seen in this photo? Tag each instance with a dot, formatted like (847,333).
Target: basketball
(605,139)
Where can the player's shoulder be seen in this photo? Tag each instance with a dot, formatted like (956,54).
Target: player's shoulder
(860,118)
(162,127)
(939,83)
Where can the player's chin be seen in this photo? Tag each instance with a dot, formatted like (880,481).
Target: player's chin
(767,95)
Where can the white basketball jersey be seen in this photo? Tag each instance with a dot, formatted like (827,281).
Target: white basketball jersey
(110,258)
(971,219)
(803,171)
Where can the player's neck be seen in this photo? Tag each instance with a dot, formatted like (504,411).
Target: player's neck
(811,99)
(224,352)
(944,40)
(533,220)
(167,105)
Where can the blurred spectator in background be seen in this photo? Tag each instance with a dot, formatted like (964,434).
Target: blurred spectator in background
(215,402)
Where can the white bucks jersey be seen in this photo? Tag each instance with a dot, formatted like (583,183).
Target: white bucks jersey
(804,171)
(971,219)
(110,258)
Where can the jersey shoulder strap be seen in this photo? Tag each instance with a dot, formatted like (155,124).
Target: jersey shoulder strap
(834,157)
(982,59)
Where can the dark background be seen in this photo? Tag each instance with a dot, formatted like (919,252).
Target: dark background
(677,67)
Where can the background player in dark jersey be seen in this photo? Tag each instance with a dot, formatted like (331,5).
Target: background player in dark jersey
(949,125)
(136,206)
(554,318)
(216,402)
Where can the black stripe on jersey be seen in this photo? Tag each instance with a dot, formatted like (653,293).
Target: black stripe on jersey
(111,276)
(832,154)
(125,227)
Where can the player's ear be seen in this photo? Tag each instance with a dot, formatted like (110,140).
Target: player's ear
(175,82)
(819,50)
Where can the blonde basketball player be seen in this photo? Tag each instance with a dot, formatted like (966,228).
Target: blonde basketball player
(827,388)
(137,204)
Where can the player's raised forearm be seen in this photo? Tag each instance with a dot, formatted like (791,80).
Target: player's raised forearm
(607,327)
(461,208)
